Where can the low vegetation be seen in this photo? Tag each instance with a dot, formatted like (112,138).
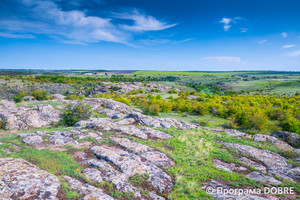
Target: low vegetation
(74,113)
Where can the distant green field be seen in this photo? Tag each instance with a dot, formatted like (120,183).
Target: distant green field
(179,73)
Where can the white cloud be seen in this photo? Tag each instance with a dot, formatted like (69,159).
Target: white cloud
(224,59)
(288,46)
(284,34)
(228,21)
(293,53)
(142,22)
(76,27)
(262,41)
(10,35)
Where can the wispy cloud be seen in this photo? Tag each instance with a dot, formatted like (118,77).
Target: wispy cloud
(262,41)
(77,27)
(142,22)
(163,41)
(243,30)
(10,35)
(228,21)
(223,59)
(288,46)
(293,53)
(284,34)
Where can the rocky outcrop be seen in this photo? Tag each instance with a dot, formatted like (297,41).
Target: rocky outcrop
(160,122)
(146,152)
(88,191)
(22,117)
(292,139)
(228,166)
(278,143)
(123,88)
(253,164)
(23,180)
(28,98)
(275,164)
(107,172)
(263,178)
(131,164)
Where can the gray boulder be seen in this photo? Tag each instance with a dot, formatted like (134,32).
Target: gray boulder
(23,180)
(292,139)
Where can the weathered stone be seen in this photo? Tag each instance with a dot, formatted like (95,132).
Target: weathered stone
(88,191)
(58,97)
(146,152)
(278,143)
(131,165)
(23,180)
(253,164)
(228,166)
(270,159)
(295,173)
(97,137)
(33,140)
(132,146)
(127,121)
(155,133)
(263,178)
(62,137)
(28,98)
(131,130)
(93,174)
(292,139)
(275,164)
(22,117)
(235,133)
(120,180)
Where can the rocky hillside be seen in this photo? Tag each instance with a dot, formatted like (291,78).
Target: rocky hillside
(121,153)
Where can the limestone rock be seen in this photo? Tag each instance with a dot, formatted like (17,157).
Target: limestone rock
(131,165)
(263,178)
(88,191)
(253,164)
(21,179)
(278,143)
(292,139)
(228,166)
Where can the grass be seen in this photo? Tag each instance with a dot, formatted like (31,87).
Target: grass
(58,163)
(193,151)
(206,121)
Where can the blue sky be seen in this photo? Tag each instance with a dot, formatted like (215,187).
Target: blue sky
(211,35)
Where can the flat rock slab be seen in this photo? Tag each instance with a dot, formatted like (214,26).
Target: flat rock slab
(146,152)
(88,191)
(275,164)
(228,166)
(131,164)
(155,133)
(263,178)
(23,180)
(278,143)
(132,130)
(253,164)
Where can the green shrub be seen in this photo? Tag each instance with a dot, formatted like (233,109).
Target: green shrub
(19,96)
(75,97)
(154,109)
(74,113)
(40,95)
(3,122)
